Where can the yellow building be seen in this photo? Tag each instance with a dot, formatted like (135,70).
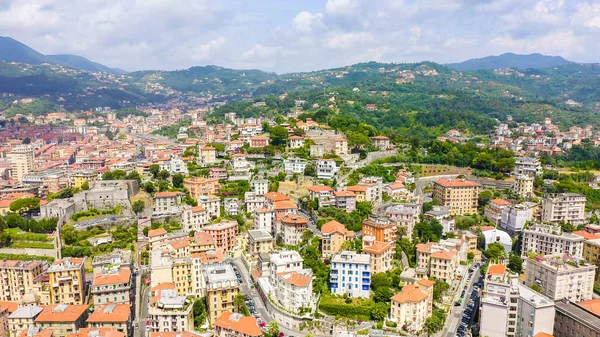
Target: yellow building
(334,235)
(182,276)
(17,278)
(459,194)
(591,253)
(221,288)
(67,281)
(78,178)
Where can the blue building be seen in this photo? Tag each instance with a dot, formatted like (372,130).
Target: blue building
(350,274)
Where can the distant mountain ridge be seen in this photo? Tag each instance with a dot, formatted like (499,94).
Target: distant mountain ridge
(12,50)
(511,60)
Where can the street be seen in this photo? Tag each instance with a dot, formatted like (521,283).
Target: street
(455,313)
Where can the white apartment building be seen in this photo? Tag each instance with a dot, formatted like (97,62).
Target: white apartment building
(350,274)
(232,206)
(294,165)
(527,166)
(211,204)
(292,227)
(294,290)
(443,215)
(176,165)
(284,262)
(259,186)
(253,201)
(561,276)
(549,239)
(171,313)
(512,309)
(405,215)
(326,169)
(193,218)
(514,218)
(264,219)
(21,159)
(569,207)
(374,187)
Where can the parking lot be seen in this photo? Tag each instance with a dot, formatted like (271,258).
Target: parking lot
(469,301)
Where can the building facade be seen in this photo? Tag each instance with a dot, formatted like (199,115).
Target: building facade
(462,196)
(350,274)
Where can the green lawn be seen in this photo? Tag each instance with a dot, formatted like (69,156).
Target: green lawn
(31,244)
(358,308)
(13,231)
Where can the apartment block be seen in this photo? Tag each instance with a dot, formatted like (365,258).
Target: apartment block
(527,166)
(230,324)
(381,254)
(493,210)
(221,288)
(523,186)
(326,169)
(514,217)
(18,278)
(283,262)
(381,228)
(568,207)
(294,290)
(169,311)
(193,218)
(334,234)
(350,274)
(113,284)
(21,159)
(167,202)
(67,281)
(437,261)
(549,239)
(23,319)
(224,233)
(112,315)
(576,319)
(259,242)
(462,196)
(591,253)
(294,165)
(412,305)
(292,226)
(201,186)
(63,319)
(561,276)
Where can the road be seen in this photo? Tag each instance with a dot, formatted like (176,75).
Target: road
(455,313)
(141,329)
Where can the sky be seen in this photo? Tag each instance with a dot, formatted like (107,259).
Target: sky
(300,35)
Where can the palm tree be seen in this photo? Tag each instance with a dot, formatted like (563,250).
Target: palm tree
(274,328)
(239,300)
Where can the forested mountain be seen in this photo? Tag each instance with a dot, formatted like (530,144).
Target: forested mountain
(510,60)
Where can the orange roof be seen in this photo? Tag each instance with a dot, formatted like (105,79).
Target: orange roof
(295,278)
(396,186)
(97,332)
(496,269)
(425,282)
(12,306)
(156,232)
(110,312)
(357,188)
(274,196)
(377,247)
(500,202)
(333,226)
(295,137)
(163,286)
(174,334)
(591,305)
(71,313)
(410,293)
(294,219)
(543,334)
(456,182)
(586,235)
(204,238)
(211,256)
(444,255)
(42,333)
(380,137)
(320,188)
(73,260)
(243,324)
(123,276)
(180,243)
(167,194)
(424,247)
(344,194)
(284,205)
(198,209)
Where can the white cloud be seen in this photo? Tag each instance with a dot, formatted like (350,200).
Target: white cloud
(348,40)
(342,7)
(306,22)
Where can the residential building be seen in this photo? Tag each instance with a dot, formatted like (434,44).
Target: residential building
(340,146)
(240,165)
(317,150)
(381,254)
(459,194)
(284,208)
(345,200)
(230,324)
(259,141)
(23,319)
(294,290)
(514,218)
(253,201)
(167,202)
(224,233)
(211,204)
(322,193)
(334,234)
(207,155)
(523,186)
(221,288)
(576,319)
(264,219)
(493,210)
(397,190)
(374,192)
(259,242)
(201,186)
(193,218)
(232,206)
(350,274)
(561,276)
(295,142)
(292,227)
(294,165)
(568,207)
(527,166)
(326,169)
(113,284)
(284,262)
(381,142)
(67,281)
(63,319)
(405,215)
(259,186)
(412,305)
(112,315)
(359,191)
(470,238)
(381,228)
(549,239)
(169,311)
(21,159)
(591,253)
(94,332)
(437,260)
(512,309)
(441,214)
(18,278)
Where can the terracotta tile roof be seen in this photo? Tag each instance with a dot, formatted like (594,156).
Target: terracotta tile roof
(295,278)
(174,334)
(61,313)
(344,194)
(12,306)
(198,209)
(424,247)
(500,202)
(543,334)
(357,188)
(333,226)
(380,137)
(591,305)
(284,205)
(320,188)
(41,333)
(274,196)
(293,219)
(97,332)
(180,243)
(239,323)
(211,256)
(410,293)
(73,260)
(456,183)
(295,137)
(167,194)
(110,312)
(203,238)
(586,235)
(444,255)
(377,247)
(396,186)
(497,269)
(425,282)
(156,232)
(123,276)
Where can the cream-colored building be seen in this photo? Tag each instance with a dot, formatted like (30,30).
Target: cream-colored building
(18,278)
(201,186)
(292,226)
(462,196)
(568,207)
(259,242)
(221,288)
(437,261)
(294,290)
(561,276)
(334,235)
(113,284)
(546,239)
(523,186)
(412,305)
(340,146)
(169,311)
(67,281)
(22,319)
(111,315)
(193,218)
(21,159)
(231,324)
(381,254)
(207,155)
